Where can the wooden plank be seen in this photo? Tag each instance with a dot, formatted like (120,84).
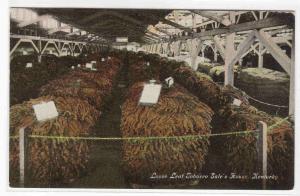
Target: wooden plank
(23,140)
(262,148)
(275,50)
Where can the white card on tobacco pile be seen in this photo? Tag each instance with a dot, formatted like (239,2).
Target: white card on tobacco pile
(237,102)
(28,65)
(150,94)
(89,65)
(45,111)
(169,81)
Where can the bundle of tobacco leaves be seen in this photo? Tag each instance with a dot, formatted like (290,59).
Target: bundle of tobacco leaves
(177,113)
(239,152)
(25,82)
(205,67)
(266,85)
(89,85)
(52,160)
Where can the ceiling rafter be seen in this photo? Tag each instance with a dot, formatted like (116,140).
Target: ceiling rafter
(210,15)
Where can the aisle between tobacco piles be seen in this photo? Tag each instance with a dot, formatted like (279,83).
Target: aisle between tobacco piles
(105,162)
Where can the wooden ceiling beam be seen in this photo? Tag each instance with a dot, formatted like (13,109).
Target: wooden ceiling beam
(265,23)
(212,16)
(162,31)
(176,25)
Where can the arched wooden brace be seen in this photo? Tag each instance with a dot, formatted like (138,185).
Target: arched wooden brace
(55,46)
(176,46)
(24,41)
(194,46)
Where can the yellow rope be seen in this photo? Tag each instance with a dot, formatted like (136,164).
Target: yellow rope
(236,133)
(140,138)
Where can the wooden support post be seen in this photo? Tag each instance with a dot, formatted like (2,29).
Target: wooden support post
(262,148)
(40,51)
(23,138)
(194,46)
(292,80)
(176,48)
(202,52)
(260,55)
(229,51)
(219,46)
(158,49)
(260,47)
(215,53)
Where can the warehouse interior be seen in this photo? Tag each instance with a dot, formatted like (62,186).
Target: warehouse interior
(151,98)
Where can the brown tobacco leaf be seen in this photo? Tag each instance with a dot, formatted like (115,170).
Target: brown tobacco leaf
(177,113)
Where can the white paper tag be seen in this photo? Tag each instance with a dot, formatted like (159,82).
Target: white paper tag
(73,67)
(89,65)
(152,81)
(169,81)
(45,111)
(237,102)
(148,64)
(78,65)
(108,58)
(103,59)
(93,62)
(25,52)
(150,94)
(28,65)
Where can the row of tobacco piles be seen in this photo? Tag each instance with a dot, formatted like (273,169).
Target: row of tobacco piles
(78,96)
(193,106)
(25,81)
(196,105)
